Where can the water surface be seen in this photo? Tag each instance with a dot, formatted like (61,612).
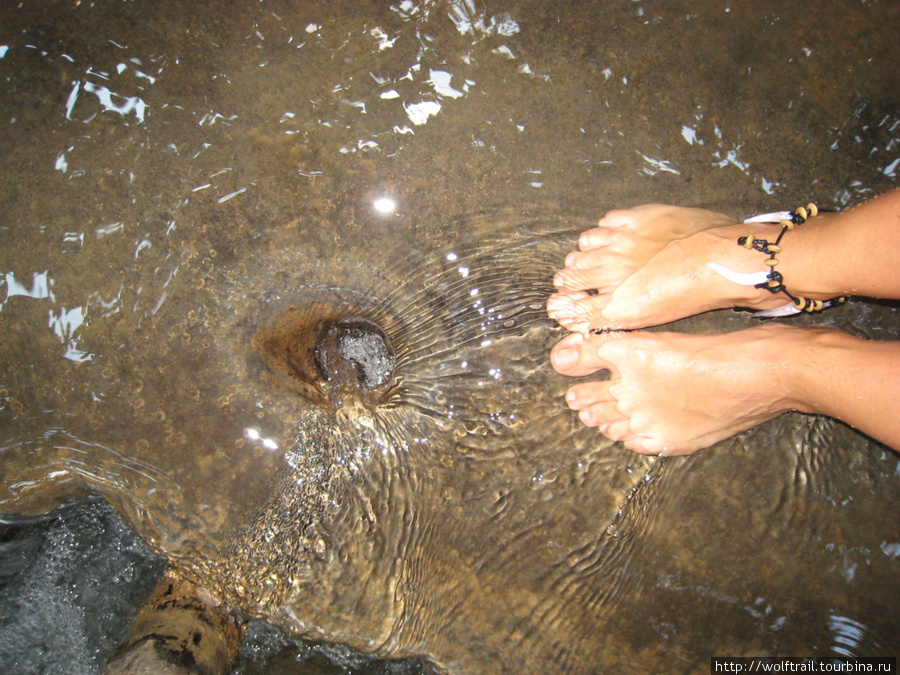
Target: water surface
(146,145)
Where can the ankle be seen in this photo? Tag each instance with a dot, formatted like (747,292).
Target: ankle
(795,262)
(744,269)
(795,355)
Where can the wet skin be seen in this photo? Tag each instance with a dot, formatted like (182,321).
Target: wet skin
(674,394)
(240,302)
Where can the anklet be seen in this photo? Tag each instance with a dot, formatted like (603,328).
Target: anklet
(774,282)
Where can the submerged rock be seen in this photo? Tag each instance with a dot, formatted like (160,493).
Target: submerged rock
(340,419)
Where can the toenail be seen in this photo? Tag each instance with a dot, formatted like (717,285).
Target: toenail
(558,280)
(559,303)
(571,397)
(570,260)
(585,416)
(565,358)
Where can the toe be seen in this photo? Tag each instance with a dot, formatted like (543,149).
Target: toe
(561,305)
(596,238)
(616,430)
(577,356)
(583,260)
(618,218)
(575,280)
(607,420)
(594,272)
(586,394)
(567,310)
(565,354)
(590,311)
(645,445)
(578,311)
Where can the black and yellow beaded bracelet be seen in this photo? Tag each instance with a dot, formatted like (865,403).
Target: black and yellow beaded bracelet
(774,280)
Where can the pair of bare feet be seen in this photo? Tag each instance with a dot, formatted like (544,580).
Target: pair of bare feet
(668,393)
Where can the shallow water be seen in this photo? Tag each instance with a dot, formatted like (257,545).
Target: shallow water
(169,176)
(67,580)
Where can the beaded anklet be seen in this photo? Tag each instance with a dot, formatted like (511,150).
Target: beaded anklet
(774,280)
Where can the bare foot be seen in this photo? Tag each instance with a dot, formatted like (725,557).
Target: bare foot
(649,266)
(673,394)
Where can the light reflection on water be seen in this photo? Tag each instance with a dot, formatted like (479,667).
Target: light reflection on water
(145,127)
